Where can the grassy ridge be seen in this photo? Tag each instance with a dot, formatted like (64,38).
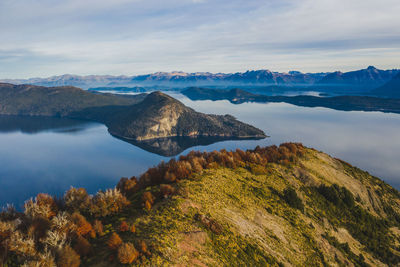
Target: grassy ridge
(277,206)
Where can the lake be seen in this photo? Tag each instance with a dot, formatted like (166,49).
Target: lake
(51,154)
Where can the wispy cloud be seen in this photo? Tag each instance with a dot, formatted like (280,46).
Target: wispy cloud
(48,37)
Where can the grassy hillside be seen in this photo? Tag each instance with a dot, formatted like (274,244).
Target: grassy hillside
(277,206)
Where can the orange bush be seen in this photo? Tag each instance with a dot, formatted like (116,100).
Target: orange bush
(148,199)
(114,241)
(127,253)
(143,247)
(83,227)
(123,227)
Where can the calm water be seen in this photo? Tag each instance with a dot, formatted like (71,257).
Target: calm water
(50,155)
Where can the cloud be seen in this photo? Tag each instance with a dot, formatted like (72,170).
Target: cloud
(138,36)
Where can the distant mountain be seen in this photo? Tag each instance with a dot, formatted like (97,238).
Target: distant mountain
(365,79)
(180,79)
(390,89)
(346,103)
(370,77)
(138,117)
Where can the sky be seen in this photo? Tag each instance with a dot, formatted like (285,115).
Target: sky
(41,38)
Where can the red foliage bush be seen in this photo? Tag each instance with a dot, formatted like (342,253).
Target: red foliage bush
(114,241)
(83,227)
(124,227)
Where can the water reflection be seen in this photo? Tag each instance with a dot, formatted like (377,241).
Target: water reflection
(32,125)
(172,146)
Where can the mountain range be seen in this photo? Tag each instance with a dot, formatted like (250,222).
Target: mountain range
(370,77)
(390,89)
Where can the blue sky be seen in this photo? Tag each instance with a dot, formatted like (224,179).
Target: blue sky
(42,38)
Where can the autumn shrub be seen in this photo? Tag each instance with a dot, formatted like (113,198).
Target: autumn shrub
(114,241)
(98,227)
(67,257)
(82,246)
(148,200)
(132,228)
(43,259)
(82,226)
(62,223)
(77,199)
(128,186)
(167,190)
(43,205)
(38,227)
(109,202)
(143,247)
(55,239)
(124,227)
(22,245)
(127,253)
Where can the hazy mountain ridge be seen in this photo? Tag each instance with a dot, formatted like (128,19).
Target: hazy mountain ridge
(370,76)
(390,89)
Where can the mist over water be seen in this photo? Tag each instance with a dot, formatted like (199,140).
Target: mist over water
(50,154)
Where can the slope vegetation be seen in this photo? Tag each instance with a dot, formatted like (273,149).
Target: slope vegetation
(273,206)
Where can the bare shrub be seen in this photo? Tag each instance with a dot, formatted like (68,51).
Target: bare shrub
(77,199)
(22,245)
(55,239)
(109,202)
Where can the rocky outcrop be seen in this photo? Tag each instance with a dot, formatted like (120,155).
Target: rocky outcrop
(160,116)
